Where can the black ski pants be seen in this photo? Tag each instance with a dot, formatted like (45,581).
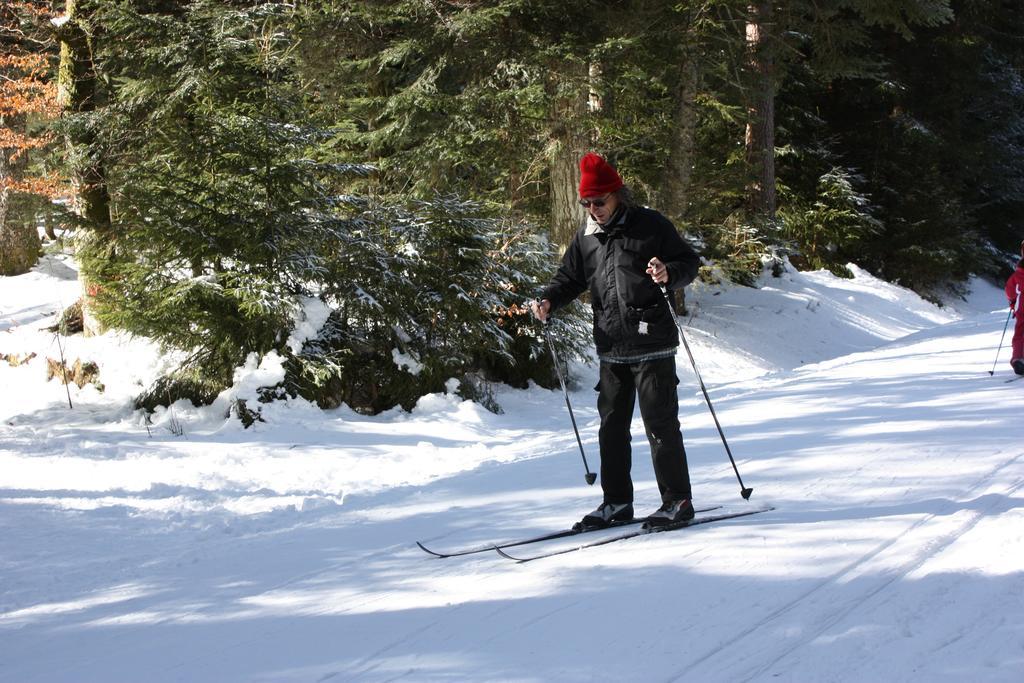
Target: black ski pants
(655,383)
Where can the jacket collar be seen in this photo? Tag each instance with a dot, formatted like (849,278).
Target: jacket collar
(594,228)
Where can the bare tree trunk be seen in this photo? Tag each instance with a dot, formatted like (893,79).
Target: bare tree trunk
(760,132)
(78,93)
(566,146)
(19,240)
(565,214)
(679,169)
(19,243)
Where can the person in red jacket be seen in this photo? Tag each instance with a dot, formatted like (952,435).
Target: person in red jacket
(1014,287)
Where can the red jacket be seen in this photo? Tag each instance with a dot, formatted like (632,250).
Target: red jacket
(1015,285)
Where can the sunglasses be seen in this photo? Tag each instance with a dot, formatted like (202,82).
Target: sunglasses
(596,203)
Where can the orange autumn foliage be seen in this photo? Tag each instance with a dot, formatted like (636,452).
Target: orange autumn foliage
(27,92)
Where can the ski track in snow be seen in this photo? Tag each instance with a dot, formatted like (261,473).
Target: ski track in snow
(826,616)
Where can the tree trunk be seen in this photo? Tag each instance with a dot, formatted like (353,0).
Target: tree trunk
(566,146)
(679,169)
(565,214)
(19,242)
(19,239)
(760,132)
(77,92)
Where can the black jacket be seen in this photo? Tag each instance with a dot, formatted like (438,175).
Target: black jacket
(611,262)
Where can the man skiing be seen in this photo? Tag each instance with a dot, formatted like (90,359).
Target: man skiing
(624,254)
(1014,286)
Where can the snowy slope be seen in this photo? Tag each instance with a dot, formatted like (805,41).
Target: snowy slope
(286,552)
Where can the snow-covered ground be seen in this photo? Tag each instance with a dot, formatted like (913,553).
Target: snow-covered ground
(286,552)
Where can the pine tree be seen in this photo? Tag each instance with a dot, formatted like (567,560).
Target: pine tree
(402,161)
(826,51)
(477,97)
(927,137)
(474,99)
(436,293)
(230,206)
(219,211)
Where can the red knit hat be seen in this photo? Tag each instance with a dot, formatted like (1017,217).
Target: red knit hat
(597,177)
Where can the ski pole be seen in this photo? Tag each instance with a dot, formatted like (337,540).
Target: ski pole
(1012,309)
(590,476)
(999,348)
(744,491)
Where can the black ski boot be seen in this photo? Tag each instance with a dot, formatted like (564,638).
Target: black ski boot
(605,515)
(673,512)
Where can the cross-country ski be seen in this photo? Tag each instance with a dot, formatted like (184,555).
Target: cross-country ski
(564,533)
(643,531)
